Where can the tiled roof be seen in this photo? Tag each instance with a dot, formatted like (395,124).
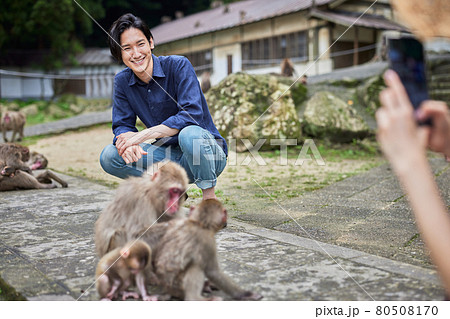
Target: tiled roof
(347,19)
(95,56)
(227,16)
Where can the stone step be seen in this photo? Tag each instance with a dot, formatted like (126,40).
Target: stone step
(440,69)
(441,96)
(440,77)
(439,85)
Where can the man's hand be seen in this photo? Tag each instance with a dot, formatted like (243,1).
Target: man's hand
(133,154)
(122,139)
(134,139)
(125,140)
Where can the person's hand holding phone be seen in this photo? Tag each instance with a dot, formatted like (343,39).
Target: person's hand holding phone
(400,138)
(439,133)
(407,58)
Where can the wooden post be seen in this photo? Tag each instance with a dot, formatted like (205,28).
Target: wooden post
(230,63)
(355,47)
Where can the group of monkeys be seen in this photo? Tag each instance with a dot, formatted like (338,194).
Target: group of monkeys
(143,237)
(16,169)
(17,162)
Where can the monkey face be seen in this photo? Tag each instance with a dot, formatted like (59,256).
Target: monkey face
(7,118)
(7,171)
(175,199)
(39,162)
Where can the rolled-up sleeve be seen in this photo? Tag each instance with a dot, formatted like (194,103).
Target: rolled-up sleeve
(123,116)
(189,98)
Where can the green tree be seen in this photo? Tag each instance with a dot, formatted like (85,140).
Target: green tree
(56,27)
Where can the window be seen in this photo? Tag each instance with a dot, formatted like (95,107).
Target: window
(271,51)
(200,60)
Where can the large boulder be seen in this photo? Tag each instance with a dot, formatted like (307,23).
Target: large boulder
(255,107)
(327,116)
(368,93)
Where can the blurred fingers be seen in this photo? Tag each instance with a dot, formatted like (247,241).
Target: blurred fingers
(423,136)
(430,109)
(393,81)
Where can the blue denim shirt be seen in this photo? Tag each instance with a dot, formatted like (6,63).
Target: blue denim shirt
(173,97)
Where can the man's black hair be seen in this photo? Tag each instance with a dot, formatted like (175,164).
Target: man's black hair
(119,26)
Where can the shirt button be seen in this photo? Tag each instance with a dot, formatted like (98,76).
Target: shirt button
(149,90)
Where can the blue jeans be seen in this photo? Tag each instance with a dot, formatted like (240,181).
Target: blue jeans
(198,153)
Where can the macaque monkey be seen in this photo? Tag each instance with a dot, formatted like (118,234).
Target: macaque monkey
(15,155)
(23,180)
(117,270)
(186,255)
(287,68)
(205,81)
(12,121)
(6,171)
(37,161)
(139,202)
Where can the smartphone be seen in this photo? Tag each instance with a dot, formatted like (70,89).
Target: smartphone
(406,57)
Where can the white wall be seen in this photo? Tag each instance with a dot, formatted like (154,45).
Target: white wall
(220,66)
(24,88)
(16,87)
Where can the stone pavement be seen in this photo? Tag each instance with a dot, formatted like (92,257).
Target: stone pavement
(47,250)
(47,253)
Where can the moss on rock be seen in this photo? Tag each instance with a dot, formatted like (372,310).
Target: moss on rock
(368,93)
(256,107)
(327,116)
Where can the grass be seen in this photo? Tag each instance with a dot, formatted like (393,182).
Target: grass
(275,181)
(8,293)
(38,111)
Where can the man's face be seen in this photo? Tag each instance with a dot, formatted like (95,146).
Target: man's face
(136,51)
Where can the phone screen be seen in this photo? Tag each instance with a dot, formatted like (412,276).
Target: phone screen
(406,57)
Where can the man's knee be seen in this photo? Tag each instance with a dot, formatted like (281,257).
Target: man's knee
(191,137)
(189,132)
(108,157)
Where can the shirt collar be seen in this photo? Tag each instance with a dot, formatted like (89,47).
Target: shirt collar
(157,71)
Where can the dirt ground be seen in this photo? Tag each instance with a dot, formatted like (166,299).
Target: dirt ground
(77,153)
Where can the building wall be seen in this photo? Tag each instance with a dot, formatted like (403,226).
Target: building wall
(13,87)
(321,34)
(228,42)
(98,82)
(220,61)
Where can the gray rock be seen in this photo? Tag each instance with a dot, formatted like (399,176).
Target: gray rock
(256,107)
(327,116)
(368,93)
(31,109)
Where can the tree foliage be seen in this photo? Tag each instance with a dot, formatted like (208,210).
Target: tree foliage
(55,27)
(59,29)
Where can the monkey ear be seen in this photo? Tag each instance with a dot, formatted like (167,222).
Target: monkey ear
(124,252)
(155,175)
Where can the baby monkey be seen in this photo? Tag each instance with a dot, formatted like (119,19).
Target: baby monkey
(117,270)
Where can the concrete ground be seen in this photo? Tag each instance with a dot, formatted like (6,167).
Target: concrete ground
(47,249)
(353,240)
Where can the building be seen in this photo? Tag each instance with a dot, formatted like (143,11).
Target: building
(91,77)
(256,35)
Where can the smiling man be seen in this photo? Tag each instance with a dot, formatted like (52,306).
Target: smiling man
(166,96)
